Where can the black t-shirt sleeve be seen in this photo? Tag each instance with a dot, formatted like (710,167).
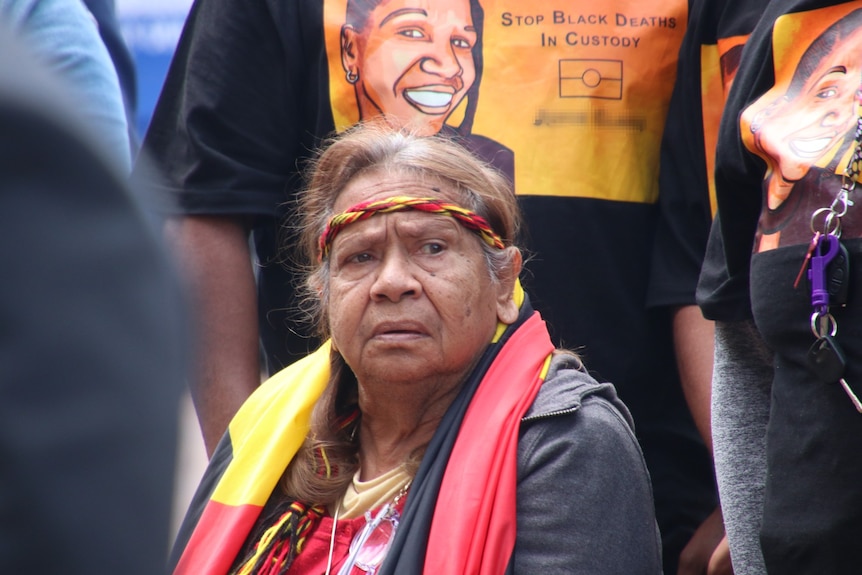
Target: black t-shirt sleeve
(723,288)
(685,213)
(684,210)
(720,294)
(221,133)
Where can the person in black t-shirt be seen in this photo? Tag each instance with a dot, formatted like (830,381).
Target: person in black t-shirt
(787,435)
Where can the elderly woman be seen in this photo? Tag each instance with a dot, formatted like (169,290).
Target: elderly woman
(438,431)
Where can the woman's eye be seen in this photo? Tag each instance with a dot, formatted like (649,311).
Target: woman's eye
(461,43)
(432,248)
(412,33)
(826,93)
(359,258)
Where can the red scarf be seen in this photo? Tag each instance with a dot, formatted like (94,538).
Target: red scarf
(473,529)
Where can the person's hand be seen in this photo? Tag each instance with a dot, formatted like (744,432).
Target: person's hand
(719,563)
(707,551)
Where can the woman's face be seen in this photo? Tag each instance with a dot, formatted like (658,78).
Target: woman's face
(414,60)
(798,131)
(410,295)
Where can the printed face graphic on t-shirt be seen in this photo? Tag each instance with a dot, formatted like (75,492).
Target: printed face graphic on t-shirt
(411,60)
(813,116)
(809,123)
(804,126)
(566,98)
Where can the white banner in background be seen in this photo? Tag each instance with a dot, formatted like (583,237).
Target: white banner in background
(152,26)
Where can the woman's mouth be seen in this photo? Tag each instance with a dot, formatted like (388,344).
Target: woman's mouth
(430,100)
(810,147)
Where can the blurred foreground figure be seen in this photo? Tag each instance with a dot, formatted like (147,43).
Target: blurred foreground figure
(91,345)
(63,36)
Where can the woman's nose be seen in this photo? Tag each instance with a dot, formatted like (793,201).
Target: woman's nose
(443,62)
(395,279)
(831,118)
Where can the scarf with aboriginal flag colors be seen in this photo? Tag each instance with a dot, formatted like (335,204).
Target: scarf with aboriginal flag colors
(460,514)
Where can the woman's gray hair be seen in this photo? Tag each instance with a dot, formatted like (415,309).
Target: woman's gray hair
(375,146)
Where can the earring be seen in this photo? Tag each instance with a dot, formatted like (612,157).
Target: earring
(352,77)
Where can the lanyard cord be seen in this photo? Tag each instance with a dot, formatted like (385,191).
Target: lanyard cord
(332,538)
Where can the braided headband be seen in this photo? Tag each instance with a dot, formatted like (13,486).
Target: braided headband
(470,220)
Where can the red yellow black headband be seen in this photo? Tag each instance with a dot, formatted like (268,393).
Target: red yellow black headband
(470,220)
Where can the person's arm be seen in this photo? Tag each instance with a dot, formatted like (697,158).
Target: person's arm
(686,178)
(584,497)
(215,259)
(742,385)
(693,337)
(224,139)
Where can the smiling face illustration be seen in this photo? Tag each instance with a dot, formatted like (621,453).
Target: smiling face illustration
(802,129)
(411,60)
(810,123)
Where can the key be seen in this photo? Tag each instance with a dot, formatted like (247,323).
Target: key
(838,276)
(827,360)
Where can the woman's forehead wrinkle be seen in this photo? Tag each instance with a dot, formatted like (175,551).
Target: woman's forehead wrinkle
(381,185)
(417,224)
(411,187)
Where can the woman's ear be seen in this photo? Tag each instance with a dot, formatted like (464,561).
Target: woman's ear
(349,53)
(507,308)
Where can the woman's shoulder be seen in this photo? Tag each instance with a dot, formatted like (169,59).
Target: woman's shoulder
(582,474)
(578,426)
(569,388)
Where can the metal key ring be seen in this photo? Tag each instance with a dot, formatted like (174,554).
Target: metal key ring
(831,219)
(820,321)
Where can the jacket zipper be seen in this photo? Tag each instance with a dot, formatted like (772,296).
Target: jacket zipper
(550,414)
